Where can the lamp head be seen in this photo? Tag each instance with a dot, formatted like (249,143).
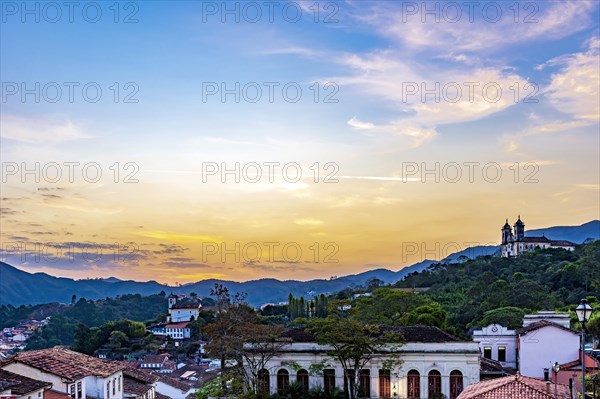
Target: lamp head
(584,311)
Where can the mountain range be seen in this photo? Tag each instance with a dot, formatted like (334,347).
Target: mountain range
(19,287)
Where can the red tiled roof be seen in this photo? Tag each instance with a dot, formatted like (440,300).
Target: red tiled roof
(66,363)
(21,385)
(541,324)
(182,386)
(186,305)
(514,387)
(590,363)
(155,358)
(50,394)
(134,387)
(183,324)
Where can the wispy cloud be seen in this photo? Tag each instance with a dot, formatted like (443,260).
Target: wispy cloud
(41,130)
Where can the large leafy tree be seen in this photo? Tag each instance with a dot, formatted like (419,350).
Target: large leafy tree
(239,337)
(354,344)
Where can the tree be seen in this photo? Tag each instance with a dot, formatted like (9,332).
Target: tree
(354,343)
(259,345)
(225,334)
(118,339)
(509,317)
(388,306)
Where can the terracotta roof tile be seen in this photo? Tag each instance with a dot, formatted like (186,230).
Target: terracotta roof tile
(186,305)
(514,387)
(50,394)
(66,363)
(21,384)
(541,324)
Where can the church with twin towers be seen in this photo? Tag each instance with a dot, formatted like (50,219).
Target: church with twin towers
(515,243)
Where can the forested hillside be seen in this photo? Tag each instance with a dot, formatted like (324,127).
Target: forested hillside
(491,288)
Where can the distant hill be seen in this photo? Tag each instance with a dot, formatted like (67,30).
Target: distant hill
(19,287)
(576,234)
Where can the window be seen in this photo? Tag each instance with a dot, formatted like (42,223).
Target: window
(283,381)
(264,385)
(487,352)
(435,384)
(328,380)
(502,353)
(72,390)
(79,389)
(108,389)
(114,386)
(456,384)
(348,381)
(414,384)
(302,379)
(384,384)
(364,387)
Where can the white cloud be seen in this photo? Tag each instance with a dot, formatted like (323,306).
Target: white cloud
(547,20)
(575,88)
(44,130)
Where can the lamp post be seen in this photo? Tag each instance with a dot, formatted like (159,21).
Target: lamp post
(556,369)
(584,311)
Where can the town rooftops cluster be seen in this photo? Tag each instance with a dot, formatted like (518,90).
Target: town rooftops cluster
(65,363)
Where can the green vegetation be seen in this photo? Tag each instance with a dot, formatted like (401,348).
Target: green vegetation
(298,307)
(499,290)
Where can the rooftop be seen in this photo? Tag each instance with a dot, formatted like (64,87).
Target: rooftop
(541,324)
(65,363)
(514,387)
(423,334)
(186,305)
(21,385)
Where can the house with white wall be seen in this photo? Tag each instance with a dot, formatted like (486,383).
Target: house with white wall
(433,363)
(73,373)
(543,343)
(498,343)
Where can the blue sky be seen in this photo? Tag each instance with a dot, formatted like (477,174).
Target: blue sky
(366,58)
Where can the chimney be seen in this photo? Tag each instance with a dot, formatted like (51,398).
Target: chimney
(546,375)
(548,387)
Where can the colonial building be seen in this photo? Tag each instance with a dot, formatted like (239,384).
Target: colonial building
(498,343)
(544,338)
(514,244)
(433,363)
(182,311)
(78,375)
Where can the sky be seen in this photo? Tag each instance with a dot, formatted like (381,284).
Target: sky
(180,141)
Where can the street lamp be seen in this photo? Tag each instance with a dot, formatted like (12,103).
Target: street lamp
(584,311)
(556,369)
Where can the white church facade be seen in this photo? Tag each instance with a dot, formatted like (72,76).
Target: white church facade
(515,244)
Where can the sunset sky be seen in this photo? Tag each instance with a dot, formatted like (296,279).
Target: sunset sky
(163,125)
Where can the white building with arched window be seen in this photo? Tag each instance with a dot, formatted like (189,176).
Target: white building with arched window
(433,363)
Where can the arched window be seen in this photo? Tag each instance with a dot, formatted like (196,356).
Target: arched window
(302,379)
(283,381)
(456,384)
(414,384)
(264,385)
(435,384)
